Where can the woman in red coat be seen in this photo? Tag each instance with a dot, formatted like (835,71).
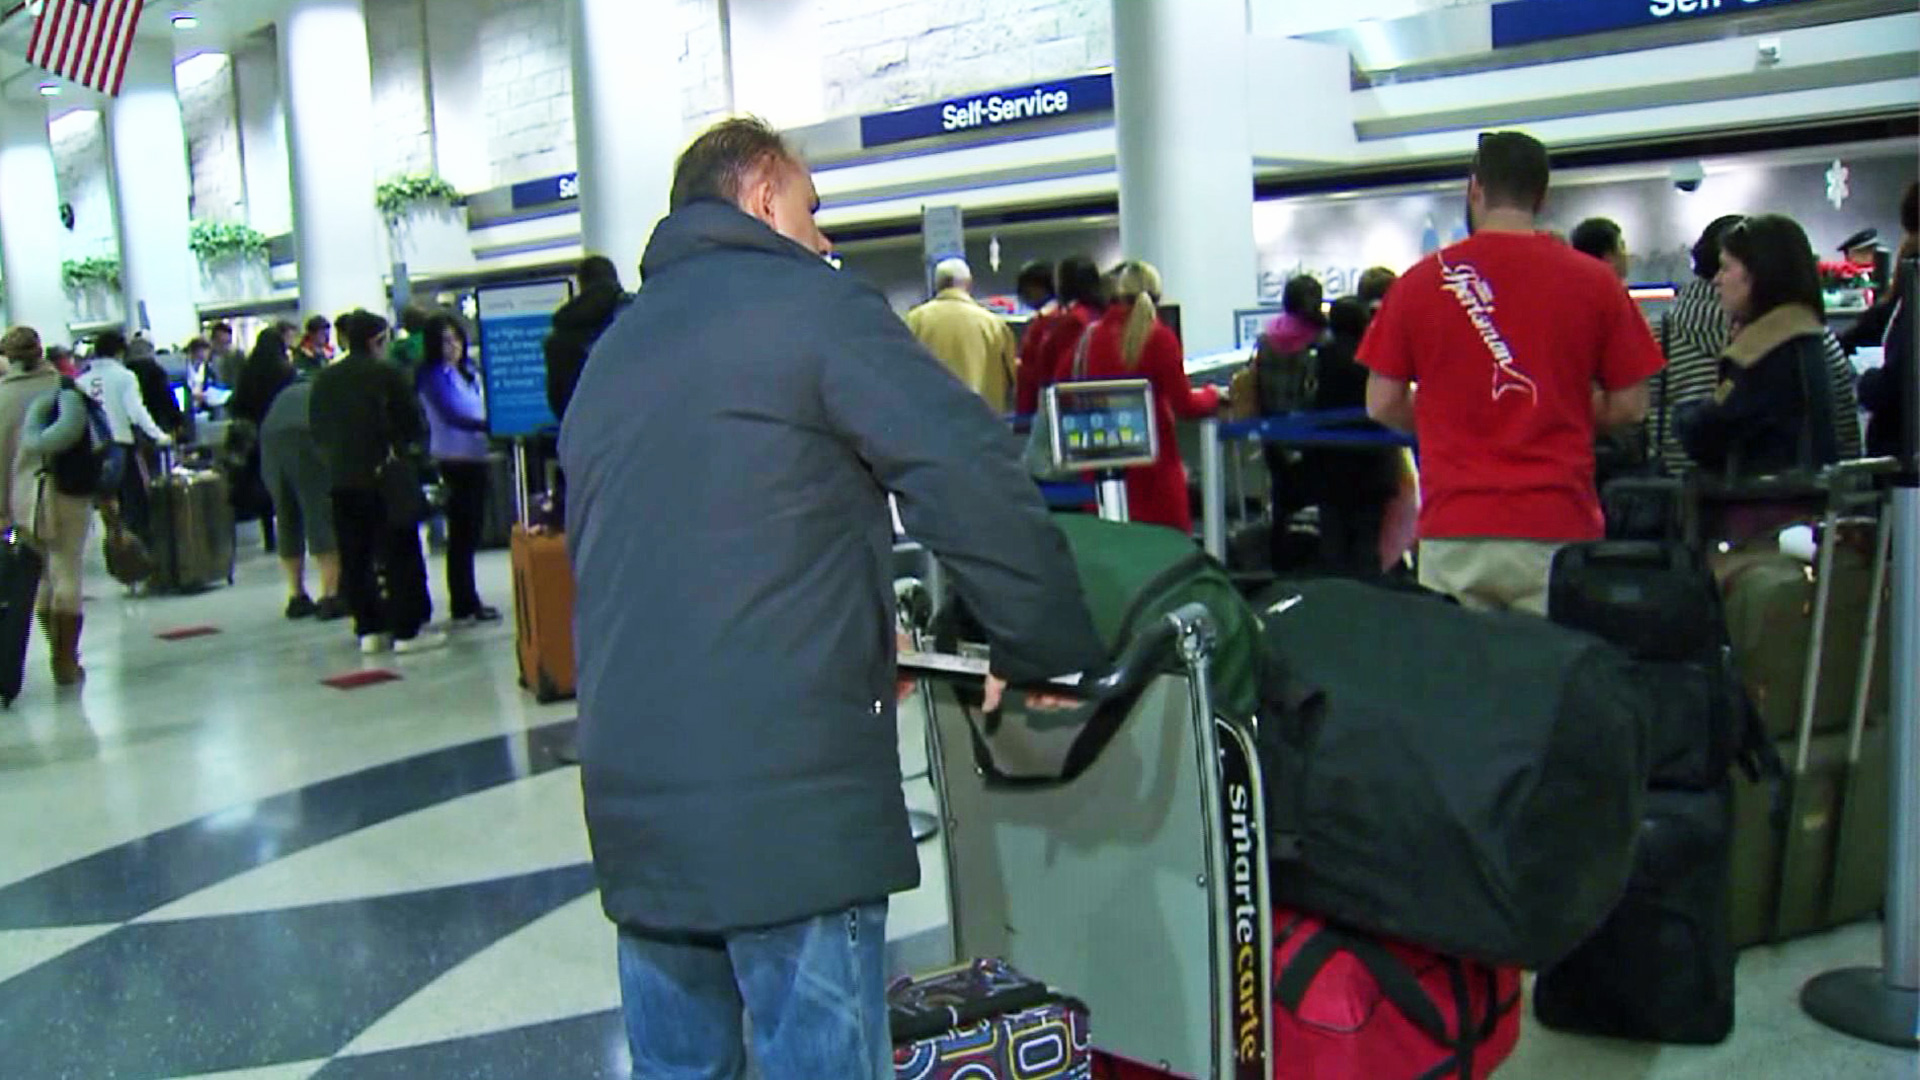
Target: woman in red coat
(1130,342)
(1081,296)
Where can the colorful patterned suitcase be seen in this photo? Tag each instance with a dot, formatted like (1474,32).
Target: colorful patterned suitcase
(986,1021)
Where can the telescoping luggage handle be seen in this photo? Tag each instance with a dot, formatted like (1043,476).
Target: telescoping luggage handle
(1057,746)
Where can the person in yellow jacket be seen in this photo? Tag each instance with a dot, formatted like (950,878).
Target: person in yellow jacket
(973,342)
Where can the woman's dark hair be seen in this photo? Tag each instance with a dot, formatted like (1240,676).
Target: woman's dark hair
(1036,276)
(1347,317)
(597,269)
(1077,280)
(1706,250)
(1598,237)
(271,345)
(111,343)
(360,328)
(1779,259)
(1302,298)
(317,324)
(436,330)
(1910,209)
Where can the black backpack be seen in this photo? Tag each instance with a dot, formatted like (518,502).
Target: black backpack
(80,469)
(1287,380)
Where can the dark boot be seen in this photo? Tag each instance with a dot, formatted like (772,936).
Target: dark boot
(66,649)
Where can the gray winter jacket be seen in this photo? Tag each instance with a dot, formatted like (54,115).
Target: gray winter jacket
(728,526)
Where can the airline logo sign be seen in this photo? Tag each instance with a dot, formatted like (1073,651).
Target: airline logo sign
(1522,22)
(996,109)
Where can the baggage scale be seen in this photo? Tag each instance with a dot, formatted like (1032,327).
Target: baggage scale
(1116,850)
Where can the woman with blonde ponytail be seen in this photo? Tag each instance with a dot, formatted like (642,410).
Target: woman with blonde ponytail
(1130,342)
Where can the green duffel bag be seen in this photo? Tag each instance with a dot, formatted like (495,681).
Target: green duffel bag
(1134,573)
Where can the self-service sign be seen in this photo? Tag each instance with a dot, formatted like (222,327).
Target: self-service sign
(993,109)
(1522,22)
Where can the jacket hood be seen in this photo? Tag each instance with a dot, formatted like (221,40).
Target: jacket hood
(1772,330)
(11,373)
(711,225)
(591,310)
(1291,333)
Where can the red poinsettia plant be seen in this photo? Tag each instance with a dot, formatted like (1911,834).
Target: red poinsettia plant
(1844,275)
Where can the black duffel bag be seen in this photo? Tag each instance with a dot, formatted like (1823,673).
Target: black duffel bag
(1468,782)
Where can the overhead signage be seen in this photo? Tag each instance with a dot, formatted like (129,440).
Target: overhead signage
(994,109)
(514,323)
(1522,22)
(546,191)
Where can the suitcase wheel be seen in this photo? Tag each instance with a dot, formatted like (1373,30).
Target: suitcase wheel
(545,692)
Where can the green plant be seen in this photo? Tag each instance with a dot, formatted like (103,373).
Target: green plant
(213,241)
(81,274)
(395,197)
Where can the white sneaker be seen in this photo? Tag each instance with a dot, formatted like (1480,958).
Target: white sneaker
(373,644)
(425,641)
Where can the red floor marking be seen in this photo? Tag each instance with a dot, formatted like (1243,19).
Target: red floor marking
(354,680)
(184,632)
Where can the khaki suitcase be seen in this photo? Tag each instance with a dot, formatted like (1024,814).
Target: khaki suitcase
(1811,852)
(543,613)
(192,526)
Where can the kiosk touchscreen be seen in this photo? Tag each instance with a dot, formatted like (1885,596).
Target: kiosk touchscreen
(1102,425)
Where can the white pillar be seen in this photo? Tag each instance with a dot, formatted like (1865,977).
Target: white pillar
(30,223)
(627,120)
(1186,163)
(459,106)
(328,81)
(263,134)
(776,53)
(152,195)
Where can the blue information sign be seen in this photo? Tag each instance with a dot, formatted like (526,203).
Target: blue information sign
(1522,22)
(546,191)
(514,323)
(994,109)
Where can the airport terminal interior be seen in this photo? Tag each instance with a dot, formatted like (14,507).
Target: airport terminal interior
(248,841)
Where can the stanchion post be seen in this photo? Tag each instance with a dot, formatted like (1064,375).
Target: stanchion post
(1883,1004)
(1213,493)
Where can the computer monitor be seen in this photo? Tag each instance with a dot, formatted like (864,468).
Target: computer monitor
(1102,425)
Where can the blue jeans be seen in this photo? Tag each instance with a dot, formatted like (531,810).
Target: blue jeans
(814,992)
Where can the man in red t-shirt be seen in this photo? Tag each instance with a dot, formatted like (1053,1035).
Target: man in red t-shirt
(1520,348)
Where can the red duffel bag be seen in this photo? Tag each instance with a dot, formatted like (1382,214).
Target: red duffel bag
(1350,1005)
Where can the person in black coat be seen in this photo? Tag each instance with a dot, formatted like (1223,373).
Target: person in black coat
(1773,410)
(1355,484)
(730,454)
(577,325)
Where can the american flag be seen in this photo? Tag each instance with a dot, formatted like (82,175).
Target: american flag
(86,40)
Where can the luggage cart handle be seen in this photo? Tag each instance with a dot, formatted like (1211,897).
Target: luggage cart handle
(1107,696)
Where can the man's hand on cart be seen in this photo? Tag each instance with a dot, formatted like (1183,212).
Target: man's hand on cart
(997,691)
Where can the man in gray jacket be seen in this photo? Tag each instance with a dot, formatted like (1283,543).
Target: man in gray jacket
(729,533)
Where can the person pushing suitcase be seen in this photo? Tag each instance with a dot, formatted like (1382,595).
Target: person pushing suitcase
(729,466)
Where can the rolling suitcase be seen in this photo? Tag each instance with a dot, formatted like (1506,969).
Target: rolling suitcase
(1661,967)
(986,1021)
(192,525)
(20,567)
(543,613)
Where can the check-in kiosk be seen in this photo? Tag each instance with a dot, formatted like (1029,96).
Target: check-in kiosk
(1103,428)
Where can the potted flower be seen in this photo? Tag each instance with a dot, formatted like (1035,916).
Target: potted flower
(233,260)
(1848,286)
(93,285)
(426,222)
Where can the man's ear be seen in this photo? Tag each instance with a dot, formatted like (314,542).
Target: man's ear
(757,195)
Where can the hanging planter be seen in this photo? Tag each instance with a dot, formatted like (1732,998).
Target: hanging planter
(93,285)
(426,223)
(233,260)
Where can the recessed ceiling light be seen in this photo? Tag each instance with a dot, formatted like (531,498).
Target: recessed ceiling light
(48,89)
(184,21)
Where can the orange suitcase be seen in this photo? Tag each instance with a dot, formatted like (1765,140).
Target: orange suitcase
(543,613)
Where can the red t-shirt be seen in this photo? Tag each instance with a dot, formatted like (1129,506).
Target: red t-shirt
(1508,335)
